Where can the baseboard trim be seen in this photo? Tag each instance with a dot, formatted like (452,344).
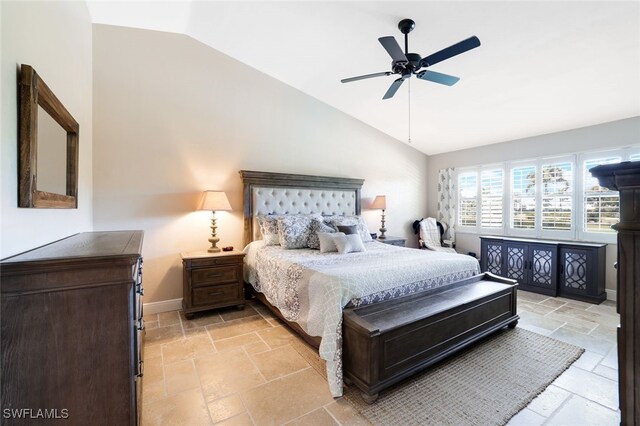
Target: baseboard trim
(162,306)
(611,295)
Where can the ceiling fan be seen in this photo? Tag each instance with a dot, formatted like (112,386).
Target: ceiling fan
(407,64)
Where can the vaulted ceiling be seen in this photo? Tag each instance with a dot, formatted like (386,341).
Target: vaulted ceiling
(543,66)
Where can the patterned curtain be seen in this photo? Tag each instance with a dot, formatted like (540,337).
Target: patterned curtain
(447,201)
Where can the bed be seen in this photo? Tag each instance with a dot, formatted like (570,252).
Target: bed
(310,290)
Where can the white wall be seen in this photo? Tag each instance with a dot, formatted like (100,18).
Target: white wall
(174,117)
(54,38)
(609,135)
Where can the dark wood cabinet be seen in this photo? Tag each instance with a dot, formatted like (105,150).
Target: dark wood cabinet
(573,270)
(625,177)
(72,329)
(532,264)
(212,280)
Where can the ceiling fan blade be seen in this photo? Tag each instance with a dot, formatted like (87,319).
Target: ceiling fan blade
(451,51)
(393,88)
(436,77)
(393,49)
(362,77)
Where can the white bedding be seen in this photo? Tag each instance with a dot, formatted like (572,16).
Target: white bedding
(312,288)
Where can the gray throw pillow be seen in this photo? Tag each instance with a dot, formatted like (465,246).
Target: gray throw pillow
(348,229)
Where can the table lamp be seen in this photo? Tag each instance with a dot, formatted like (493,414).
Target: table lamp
(214,201)
(380,203)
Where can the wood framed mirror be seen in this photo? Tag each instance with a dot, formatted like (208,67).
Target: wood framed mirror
(47,147)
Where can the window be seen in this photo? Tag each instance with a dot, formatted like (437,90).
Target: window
(555,198)
(601,205)
(523,197)
(557,188)
(468,199)
(492,184)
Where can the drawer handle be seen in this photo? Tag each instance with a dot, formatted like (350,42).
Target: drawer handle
(141,324)
(214,275)
(215,293)
(141,367)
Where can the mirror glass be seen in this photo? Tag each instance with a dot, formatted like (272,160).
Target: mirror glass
(52,154)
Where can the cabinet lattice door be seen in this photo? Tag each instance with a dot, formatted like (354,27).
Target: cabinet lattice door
(494,258)
(543,266)
(516,261)
(575,270)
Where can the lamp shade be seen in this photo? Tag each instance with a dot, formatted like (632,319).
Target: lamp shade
(215,201)
(379,203)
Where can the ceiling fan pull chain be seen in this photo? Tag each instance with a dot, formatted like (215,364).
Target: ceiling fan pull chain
(409,111)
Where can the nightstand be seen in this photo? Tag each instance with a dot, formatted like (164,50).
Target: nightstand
(212,280)
(394,241)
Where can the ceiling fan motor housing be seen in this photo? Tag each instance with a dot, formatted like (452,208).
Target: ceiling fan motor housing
(413,64)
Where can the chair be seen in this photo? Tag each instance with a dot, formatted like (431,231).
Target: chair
(431,235)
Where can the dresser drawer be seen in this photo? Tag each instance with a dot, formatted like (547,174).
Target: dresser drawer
(216,294)
(220,275)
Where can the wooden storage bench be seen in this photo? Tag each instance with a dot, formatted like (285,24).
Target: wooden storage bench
(391,340)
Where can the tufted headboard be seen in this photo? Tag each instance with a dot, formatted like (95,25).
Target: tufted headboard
(283,193)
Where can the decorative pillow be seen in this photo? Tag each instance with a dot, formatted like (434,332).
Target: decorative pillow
(294,230)
(348,229)
(351,220)
(327,243)
(348,243)
(269,228)
(317,225)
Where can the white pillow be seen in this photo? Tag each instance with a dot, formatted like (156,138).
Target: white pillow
(327,243)
(348,243)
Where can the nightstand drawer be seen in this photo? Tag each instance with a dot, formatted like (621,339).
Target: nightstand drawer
(212,295)
(399,243)
(394,241)
(233,259)
(220,275)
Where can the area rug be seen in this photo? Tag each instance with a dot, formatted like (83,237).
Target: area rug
(486,384)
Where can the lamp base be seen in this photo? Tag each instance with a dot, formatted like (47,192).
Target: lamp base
(214,237)
(382,228)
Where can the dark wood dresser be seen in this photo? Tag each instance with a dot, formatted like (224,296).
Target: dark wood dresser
(625,177)
(72,330)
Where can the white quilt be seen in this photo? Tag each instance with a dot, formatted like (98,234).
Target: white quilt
(312,288)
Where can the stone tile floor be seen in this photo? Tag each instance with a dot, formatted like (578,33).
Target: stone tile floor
(232,367)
